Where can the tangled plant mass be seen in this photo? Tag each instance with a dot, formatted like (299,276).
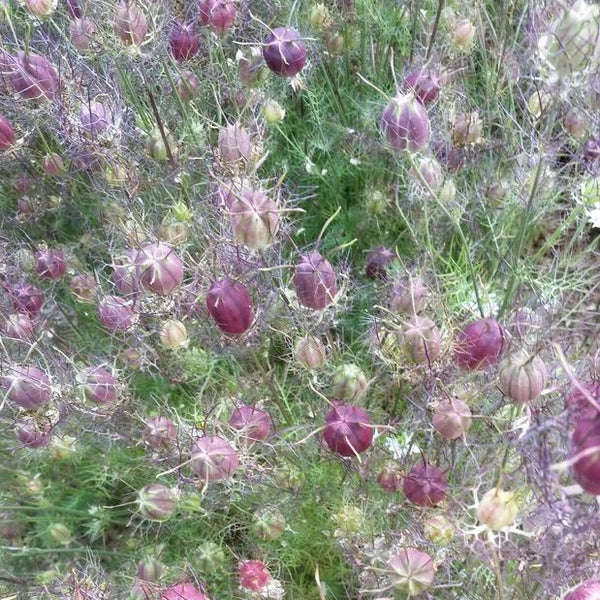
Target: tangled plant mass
(299,299)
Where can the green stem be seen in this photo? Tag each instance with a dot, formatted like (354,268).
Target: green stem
(461,233)
(513,283)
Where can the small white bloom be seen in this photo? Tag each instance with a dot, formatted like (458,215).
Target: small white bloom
(594,217)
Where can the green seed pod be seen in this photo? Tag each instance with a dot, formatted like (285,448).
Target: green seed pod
(522,377)
(349,382)
(572,43)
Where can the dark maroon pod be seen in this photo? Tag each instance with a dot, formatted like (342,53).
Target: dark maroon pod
(284,51)
(480,344)
(27,386)
(184,41)
(50,263)
(315,281)
(425,485)
(585,444)
(31,75)
(377,262)
(116,314)
(424,83)
(405,124)
(26,298)
(219,15)
(252,423)
(348,430)
(7,133)
(99,385)
(230,306)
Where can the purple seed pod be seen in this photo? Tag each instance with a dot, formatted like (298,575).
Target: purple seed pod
(452,418)
(411,571)
(18,326)
(213,458)
(160,433)
(33,433)
(425,485)
(50,263)
(130,24)
(219,15)
(230,306)
(588,590)
(116,314)
(183,591)
(254,219)
(377,262)
(315,281)
(424,83)
(253,575)
(125,273)
(157,502)
(99,385)
(96,119)
(22,184)
(184,41)
(53,165)
(187,86)
(253,424)
(390,478)
(284,51)
(405,124)
(348,430)
(29,387)
(234,144)
(81,33)
(585,452)
(26,298)
(577,403)
(7,133)
(479,344)
(31,75)
(160,269)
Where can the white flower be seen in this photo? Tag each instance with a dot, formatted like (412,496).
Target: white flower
(594,217)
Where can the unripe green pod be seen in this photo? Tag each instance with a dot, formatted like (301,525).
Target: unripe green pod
(349,382)
(522,377)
